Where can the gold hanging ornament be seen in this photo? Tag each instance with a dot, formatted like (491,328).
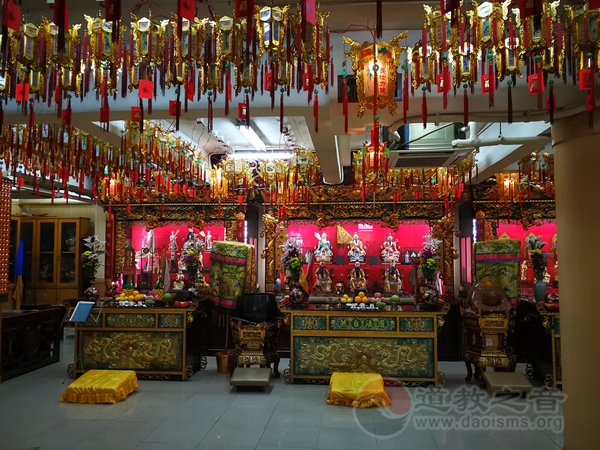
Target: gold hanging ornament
(369,58)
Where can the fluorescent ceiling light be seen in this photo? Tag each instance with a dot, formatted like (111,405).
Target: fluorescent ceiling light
(254,139)
(260,155)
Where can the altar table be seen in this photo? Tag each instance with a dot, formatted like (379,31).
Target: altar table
(150,341)
(401,346)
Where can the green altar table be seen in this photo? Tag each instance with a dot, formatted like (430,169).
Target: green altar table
(401,346)
(151,341)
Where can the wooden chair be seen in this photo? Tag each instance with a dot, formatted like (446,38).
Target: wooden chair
(487,341)
(255,344)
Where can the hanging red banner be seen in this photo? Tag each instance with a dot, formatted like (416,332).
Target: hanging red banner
(146,87)
(174,108)
(136,114)
(186,9)
(12,16)
(243,8)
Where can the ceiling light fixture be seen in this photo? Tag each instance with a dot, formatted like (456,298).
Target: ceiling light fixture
(260,155)
(254,139)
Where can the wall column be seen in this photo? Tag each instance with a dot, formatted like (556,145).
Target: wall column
(577,166)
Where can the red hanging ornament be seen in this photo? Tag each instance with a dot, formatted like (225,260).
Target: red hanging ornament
(551,102)
(281,112)
(424,107)
(316,111)
(465,104)
(510,103)
(345,103)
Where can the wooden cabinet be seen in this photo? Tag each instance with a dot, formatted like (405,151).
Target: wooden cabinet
(52,248)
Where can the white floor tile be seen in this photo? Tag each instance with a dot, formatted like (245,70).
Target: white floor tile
(208,414)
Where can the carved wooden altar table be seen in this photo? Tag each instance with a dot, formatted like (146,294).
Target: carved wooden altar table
(401,346)
(150,341)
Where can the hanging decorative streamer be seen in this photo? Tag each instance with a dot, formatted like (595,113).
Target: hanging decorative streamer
(316,110)
(551,102)
(281,127)
(465,104)
(424,107)
(379,24)
(510,102)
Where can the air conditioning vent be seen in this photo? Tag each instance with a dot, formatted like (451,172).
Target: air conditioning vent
(402,160)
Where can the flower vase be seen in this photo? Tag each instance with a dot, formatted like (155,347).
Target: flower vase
(297,294)
(428,275)
(539,290)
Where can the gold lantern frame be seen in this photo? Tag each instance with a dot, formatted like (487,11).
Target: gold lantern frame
(416,58)
(382,53)
(434,19)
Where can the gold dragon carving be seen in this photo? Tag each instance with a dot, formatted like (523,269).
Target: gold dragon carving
(384,356)
(120,244)
(445,231)
(130,350)
(268,254)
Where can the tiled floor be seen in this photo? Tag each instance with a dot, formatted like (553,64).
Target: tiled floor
(206,413)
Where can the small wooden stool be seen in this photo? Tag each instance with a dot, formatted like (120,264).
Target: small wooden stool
(101,386)
(499,381)
(251,376)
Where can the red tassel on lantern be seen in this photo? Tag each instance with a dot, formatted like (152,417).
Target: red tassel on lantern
(540,78)
(210,113)
(465,105)
(510,103)
(345,104)
(316,111)
(281,113)
(379,24)
(227,90)
(405,99)
(551,102)
(424,107)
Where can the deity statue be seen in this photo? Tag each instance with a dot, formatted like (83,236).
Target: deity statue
(357,250)
(208,241)
(323,253)
(173,241)
(179,282)
(173,262)
(524,266)
(323,282)
(392,280)
(389,250)
(190,240)
(358,280)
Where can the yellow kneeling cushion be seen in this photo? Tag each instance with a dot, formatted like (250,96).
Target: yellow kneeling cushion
(101,386)
(360,390)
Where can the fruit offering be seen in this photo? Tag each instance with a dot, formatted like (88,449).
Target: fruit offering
(346,299)
(395,299)
(158,294)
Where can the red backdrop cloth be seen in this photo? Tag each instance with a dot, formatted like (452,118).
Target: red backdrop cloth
(372,236)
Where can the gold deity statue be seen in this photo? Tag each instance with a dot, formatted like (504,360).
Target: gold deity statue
(392,280)
(323,283)
(358,279)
